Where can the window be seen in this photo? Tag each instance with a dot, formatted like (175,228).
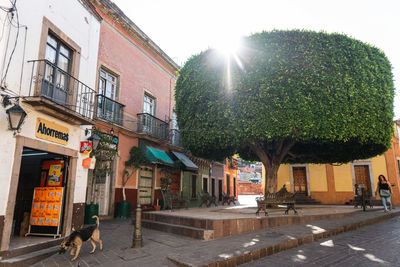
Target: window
(57,69)
(205,185)
(108,85)
(149,105)
(228,185)
(234,186)
(194,187)
(398,166)
(107,106)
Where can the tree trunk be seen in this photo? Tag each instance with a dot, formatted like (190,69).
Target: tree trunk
(123,193)
(270,178)
(272,159)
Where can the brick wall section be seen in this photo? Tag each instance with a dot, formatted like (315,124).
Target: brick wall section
(249,188)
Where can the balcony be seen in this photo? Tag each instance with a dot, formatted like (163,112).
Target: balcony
(175,138)
(59,94)
(148,124)
(110,110)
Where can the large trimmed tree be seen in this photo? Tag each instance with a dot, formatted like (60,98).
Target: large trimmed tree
(287,97)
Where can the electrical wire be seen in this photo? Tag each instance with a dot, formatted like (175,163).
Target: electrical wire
(16,40)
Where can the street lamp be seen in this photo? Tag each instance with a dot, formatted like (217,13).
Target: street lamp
(95,139)
(16,116)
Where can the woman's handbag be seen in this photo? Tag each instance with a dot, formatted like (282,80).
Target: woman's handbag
(384,193)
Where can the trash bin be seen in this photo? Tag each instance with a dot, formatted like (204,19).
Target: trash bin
(91,210)
(123,209)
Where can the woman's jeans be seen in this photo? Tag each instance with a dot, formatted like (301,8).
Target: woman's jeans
(386,201)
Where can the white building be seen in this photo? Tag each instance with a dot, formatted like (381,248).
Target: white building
(48,62)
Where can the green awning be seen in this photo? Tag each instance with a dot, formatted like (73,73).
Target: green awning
(189,165)
(155,155)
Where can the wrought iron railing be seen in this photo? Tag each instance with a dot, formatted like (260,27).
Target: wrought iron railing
(152,126)
(57,85)
(175,138)
(110,110)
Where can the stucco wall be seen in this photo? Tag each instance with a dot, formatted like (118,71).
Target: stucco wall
(120,53)
(343,178)
(318,180)
(73,19)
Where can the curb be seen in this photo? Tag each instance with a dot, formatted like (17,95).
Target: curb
(267,251)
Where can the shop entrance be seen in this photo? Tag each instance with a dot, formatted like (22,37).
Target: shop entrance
(40,194)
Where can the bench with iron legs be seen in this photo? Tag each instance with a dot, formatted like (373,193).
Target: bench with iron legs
(228,199)
(282,197)
(207,199)
(174,200)
(362,197)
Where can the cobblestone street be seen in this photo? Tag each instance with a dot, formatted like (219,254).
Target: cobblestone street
(359,247)
(374,245)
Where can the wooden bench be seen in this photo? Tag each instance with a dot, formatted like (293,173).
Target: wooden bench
(361,197)
(207,199)
(282,197)
(174,200)
(228,199)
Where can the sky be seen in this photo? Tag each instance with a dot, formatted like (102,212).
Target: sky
(182,28)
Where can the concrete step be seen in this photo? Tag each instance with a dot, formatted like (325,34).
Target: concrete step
(177,220)
(219,228)
(31,258)
(194,232)
(28,248)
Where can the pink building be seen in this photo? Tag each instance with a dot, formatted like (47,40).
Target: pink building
(135,83)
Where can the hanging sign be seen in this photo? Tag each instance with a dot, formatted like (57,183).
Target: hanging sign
(86,147)
(89,163)
(51,131)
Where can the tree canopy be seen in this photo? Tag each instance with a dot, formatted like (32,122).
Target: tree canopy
(288,97)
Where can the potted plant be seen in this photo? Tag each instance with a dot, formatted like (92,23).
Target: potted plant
(157,207)
(136,159)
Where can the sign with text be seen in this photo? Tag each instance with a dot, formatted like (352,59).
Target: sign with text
(51,131)
(86,147)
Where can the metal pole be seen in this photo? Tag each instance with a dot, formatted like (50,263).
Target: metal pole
(137,237)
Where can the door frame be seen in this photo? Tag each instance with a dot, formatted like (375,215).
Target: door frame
(22,142)
(307,177)
(371,175)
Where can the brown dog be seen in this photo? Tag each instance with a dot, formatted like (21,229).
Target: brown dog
(76,239)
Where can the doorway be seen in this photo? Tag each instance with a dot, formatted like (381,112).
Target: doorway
(300,179)
(213,187)
(40,171)
(220,190)
(145,185)
(361,173)
(228,185)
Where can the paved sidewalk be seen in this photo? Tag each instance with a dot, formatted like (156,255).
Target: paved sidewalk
(374,245)
(158,246)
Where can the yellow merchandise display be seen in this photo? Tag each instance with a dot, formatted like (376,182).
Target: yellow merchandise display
(46,208)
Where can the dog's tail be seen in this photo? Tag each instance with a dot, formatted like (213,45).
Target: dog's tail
(97,220)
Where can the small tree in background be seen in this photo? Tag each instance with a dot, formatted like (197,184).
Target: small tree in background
(105,154)
(288,97)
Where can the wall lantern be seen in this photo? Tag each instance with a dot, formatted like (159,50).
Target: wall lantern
(16,116)
(95,139)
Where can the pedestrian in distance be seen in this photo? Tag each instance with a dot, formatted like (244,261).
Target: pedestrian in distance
(385,192)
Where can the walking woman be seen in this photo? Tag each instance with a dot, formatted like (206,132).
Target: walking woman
(385,191)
